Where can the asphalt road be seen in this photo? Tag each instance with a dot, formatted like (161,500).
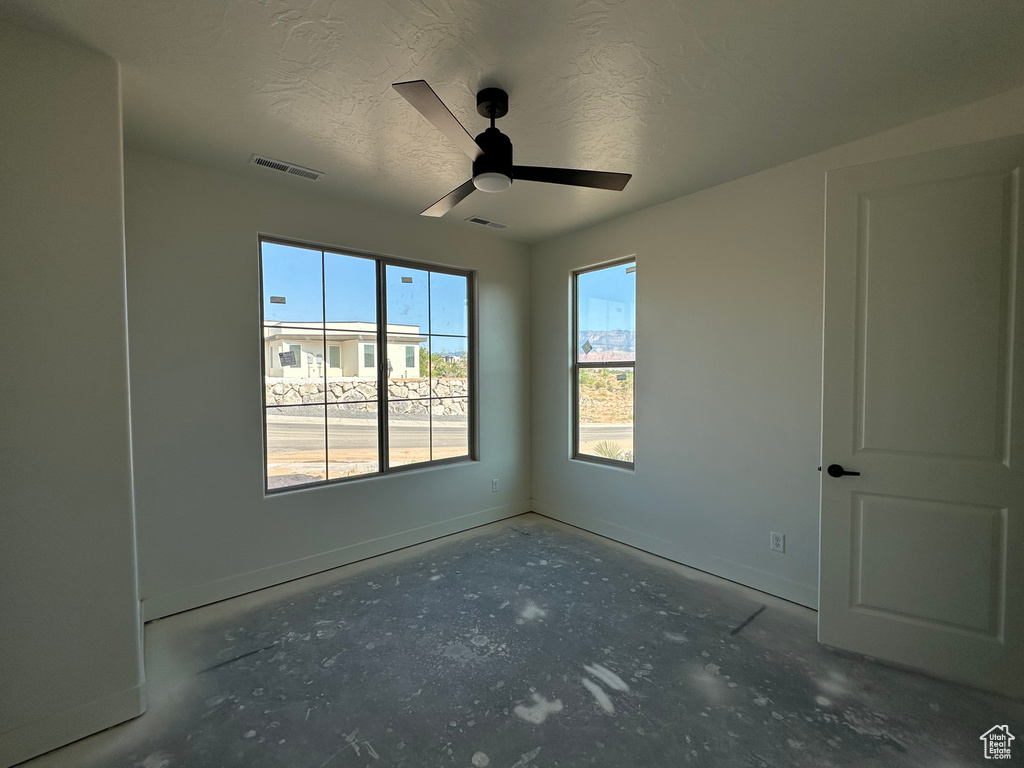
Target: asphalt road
(616,433)
(287,434)
(294,434)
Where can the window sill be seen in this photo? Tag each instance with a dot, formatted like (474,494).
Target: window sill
(403,470)
(598,461)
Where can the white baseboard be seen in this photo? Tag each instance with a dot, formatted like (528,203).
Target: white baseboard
(158,606)
(35,738)
(773,584)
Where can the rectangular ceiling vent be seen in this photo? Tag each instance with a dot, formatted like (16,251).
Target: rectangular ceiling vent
(281,165)
(486,222)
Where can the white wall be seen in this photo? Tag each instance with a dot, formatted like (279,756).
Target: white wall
(206,530)
(728,378)
(69,627)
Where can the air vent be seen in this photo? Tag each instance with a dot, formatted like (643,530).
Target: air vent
(304,173)
(486,222)
(281,165)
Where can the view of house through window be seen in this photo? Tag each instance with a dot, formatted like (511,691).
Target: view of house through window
(605,338)
(361,413)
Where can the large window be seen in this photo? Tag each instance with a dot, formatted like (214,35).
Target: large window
(363,413)
(604,335)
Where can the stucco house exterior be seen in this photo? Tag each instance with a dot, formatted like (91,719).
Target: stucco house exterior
(350,351)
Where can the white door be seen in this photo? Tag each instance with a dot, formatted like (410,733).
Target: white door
(922,553)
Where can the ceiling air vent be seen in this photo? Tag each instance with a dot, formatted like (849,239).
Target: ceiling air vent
(486,222)
(281,165)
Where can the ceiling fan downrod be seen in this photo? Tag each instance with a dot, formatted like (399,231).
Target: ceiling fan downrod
(492,171)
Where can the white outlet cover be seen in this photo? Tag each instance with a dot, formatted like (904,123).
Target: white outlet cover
(778,542)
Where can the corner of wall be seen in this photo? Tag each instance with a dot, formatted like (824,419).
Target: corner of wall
(40,736)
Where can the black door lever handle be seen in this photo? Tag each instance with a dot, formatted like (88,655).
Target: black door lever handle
(836,470)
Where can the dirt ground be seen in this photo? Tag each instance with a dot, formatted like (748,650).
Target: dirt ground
(606,402)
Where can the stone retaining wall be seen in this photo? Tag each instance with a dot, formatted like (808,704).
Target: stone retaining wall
(282,391)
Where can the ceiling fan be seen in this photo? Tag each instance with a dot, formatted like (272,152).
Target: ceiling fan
(491,151)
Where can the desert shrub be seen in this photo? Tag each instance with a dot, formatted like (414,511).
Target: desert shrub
(609,450)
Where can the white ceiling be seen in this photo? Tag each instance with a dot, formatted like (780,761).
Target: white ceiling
(683,94)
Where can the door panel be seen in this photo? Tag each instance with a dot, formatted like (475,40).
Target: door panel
(946,559)
(922,555)
(935,259)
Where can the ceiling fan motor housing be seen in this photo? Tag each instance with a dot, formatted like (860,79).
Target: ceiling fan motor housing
(496,160)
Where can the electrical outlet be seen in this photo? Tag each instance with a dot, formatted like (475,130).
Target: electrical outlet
(494,485)
(778,542)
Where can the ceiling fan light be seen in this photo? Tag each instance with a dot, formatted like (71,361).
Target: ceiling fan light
(491,181)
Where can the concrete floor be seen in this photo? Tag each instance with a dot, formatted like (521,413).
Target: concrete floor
(526,643)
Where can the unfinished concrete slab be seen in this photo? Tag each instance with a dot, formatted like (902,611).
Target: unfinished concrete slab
(526,643)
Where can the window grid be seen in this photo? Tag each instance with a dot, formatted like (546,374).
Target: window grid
(383,391)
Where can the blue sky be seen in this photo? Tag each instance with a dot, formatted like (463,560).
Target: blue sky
(298,275)
(607,299)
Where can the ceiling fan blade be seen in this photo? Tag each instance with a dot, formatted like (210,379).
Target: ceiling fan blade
(594,179)
(449,201)
(426,102)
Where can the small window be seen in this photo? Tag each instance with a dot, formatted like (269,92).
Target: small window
(368,356)
(410,357)
(604,334)
(334,357)
(296,350)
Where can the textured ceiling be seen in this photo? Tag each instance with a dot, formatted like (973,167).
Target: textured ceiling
(683,94)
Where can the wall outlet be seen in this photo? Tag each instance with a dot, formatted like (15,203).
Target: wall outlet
(494,485)
(778,542)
